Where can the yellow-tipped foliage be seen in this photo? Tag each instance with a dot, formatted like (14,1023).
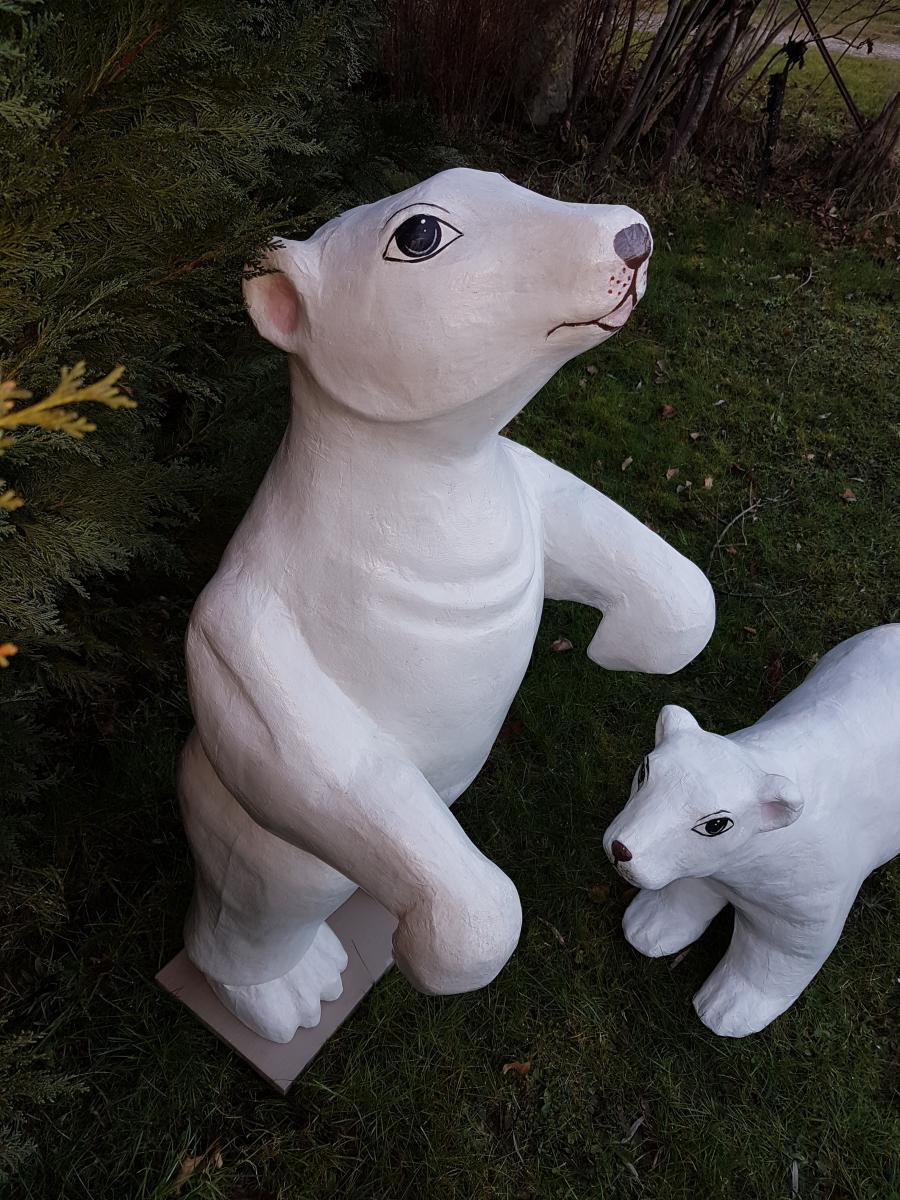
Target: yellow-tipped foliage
(53,412)
(10,500)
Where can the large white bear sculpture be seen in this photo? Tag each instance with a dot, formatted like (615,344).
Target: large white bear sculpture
(784,820)
(352,660)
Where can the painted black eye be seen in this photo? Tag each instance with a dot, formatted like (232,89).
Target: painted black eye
(419,237)
(713,827)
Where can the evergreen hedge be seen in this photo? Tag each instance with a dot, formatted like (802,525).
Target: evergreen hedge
(148,150)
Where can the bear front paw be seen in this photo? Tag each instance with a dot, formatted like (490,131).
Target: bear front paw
(447,944)
(664,922)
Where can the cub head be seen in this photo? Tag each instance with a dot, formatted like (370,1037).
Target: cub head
(465,290)
(695,802)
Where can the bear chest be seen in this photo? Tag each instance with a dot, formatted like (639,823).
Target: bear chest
(430,630)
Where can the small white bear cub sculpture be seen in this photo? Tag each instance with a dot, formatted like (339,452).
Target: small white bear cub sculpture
(784,820)
(352,660)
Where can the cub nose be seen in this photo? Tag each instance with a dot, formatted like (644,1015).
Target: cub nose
(620,853)
(632,244)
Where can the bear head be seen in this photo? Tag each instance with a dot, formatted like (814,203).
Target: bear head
(464,292)
(695,803)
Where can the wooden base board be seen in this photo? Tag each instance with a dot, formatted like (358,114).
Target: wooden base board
(365,929)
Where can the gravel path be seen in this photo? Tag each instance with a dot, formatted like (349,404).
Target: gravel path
(880,48)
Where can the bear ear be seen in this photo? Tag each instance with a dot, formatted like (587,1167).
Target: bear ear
(780,803)
(276,300)
(671,719)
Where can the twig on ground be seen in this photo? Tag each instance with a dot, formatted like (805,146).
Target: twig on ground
(745,512)
(753,507)
(803,284)
(790,640)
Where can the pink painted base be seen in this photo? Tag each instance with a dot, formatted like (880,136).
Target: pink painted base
(364,927)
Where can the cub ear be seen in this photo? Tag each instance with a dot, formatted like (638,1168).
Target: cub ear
(276,300)
(671,719)
(780,803)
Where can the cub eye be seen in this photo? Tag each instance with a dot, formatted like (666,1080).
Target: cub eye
(643,774)
(713,827)
(419,237)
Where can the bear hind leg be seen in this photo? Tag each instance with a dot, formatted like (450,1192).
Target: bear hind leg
(765,969)
(255,927)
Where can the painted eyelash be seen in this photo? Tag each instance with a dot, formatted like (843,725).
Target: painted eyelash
(643,773)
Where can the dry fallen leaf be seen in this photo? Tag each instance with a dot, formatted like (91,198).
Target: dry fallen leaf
(671,473)
(731,549)
(750,631)
(185,1171)
(708,482)
(627,463)
(599,892)
(560,645)
(591,369)
(695,437)
(666,412)
(213,1156)
(848,496)
(518,1068)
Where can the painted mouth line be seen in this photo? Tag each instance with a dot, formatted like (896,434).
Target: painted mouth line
(577,324)
(631,295)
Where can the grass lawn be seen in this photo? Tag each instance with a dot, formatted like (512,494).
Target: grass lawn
(781,362)
(870,81)
(834,15)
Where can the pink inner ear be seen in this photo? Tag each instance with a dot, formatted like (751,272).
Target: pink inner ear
(775,814)
(282,304)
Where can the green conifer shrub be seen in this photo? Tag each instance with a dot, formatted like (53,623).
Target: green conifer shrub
(148,150)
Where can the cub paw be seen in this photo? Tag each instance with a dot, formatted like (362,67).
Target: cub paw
(279,1007)
(655,926)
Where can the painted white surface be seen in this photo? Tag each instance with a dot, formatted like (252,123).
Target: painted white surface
(811,799)
(352,660)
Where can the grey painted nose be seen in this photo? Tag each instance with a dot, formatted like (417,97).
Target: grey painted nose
(620,853)
(632,244)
